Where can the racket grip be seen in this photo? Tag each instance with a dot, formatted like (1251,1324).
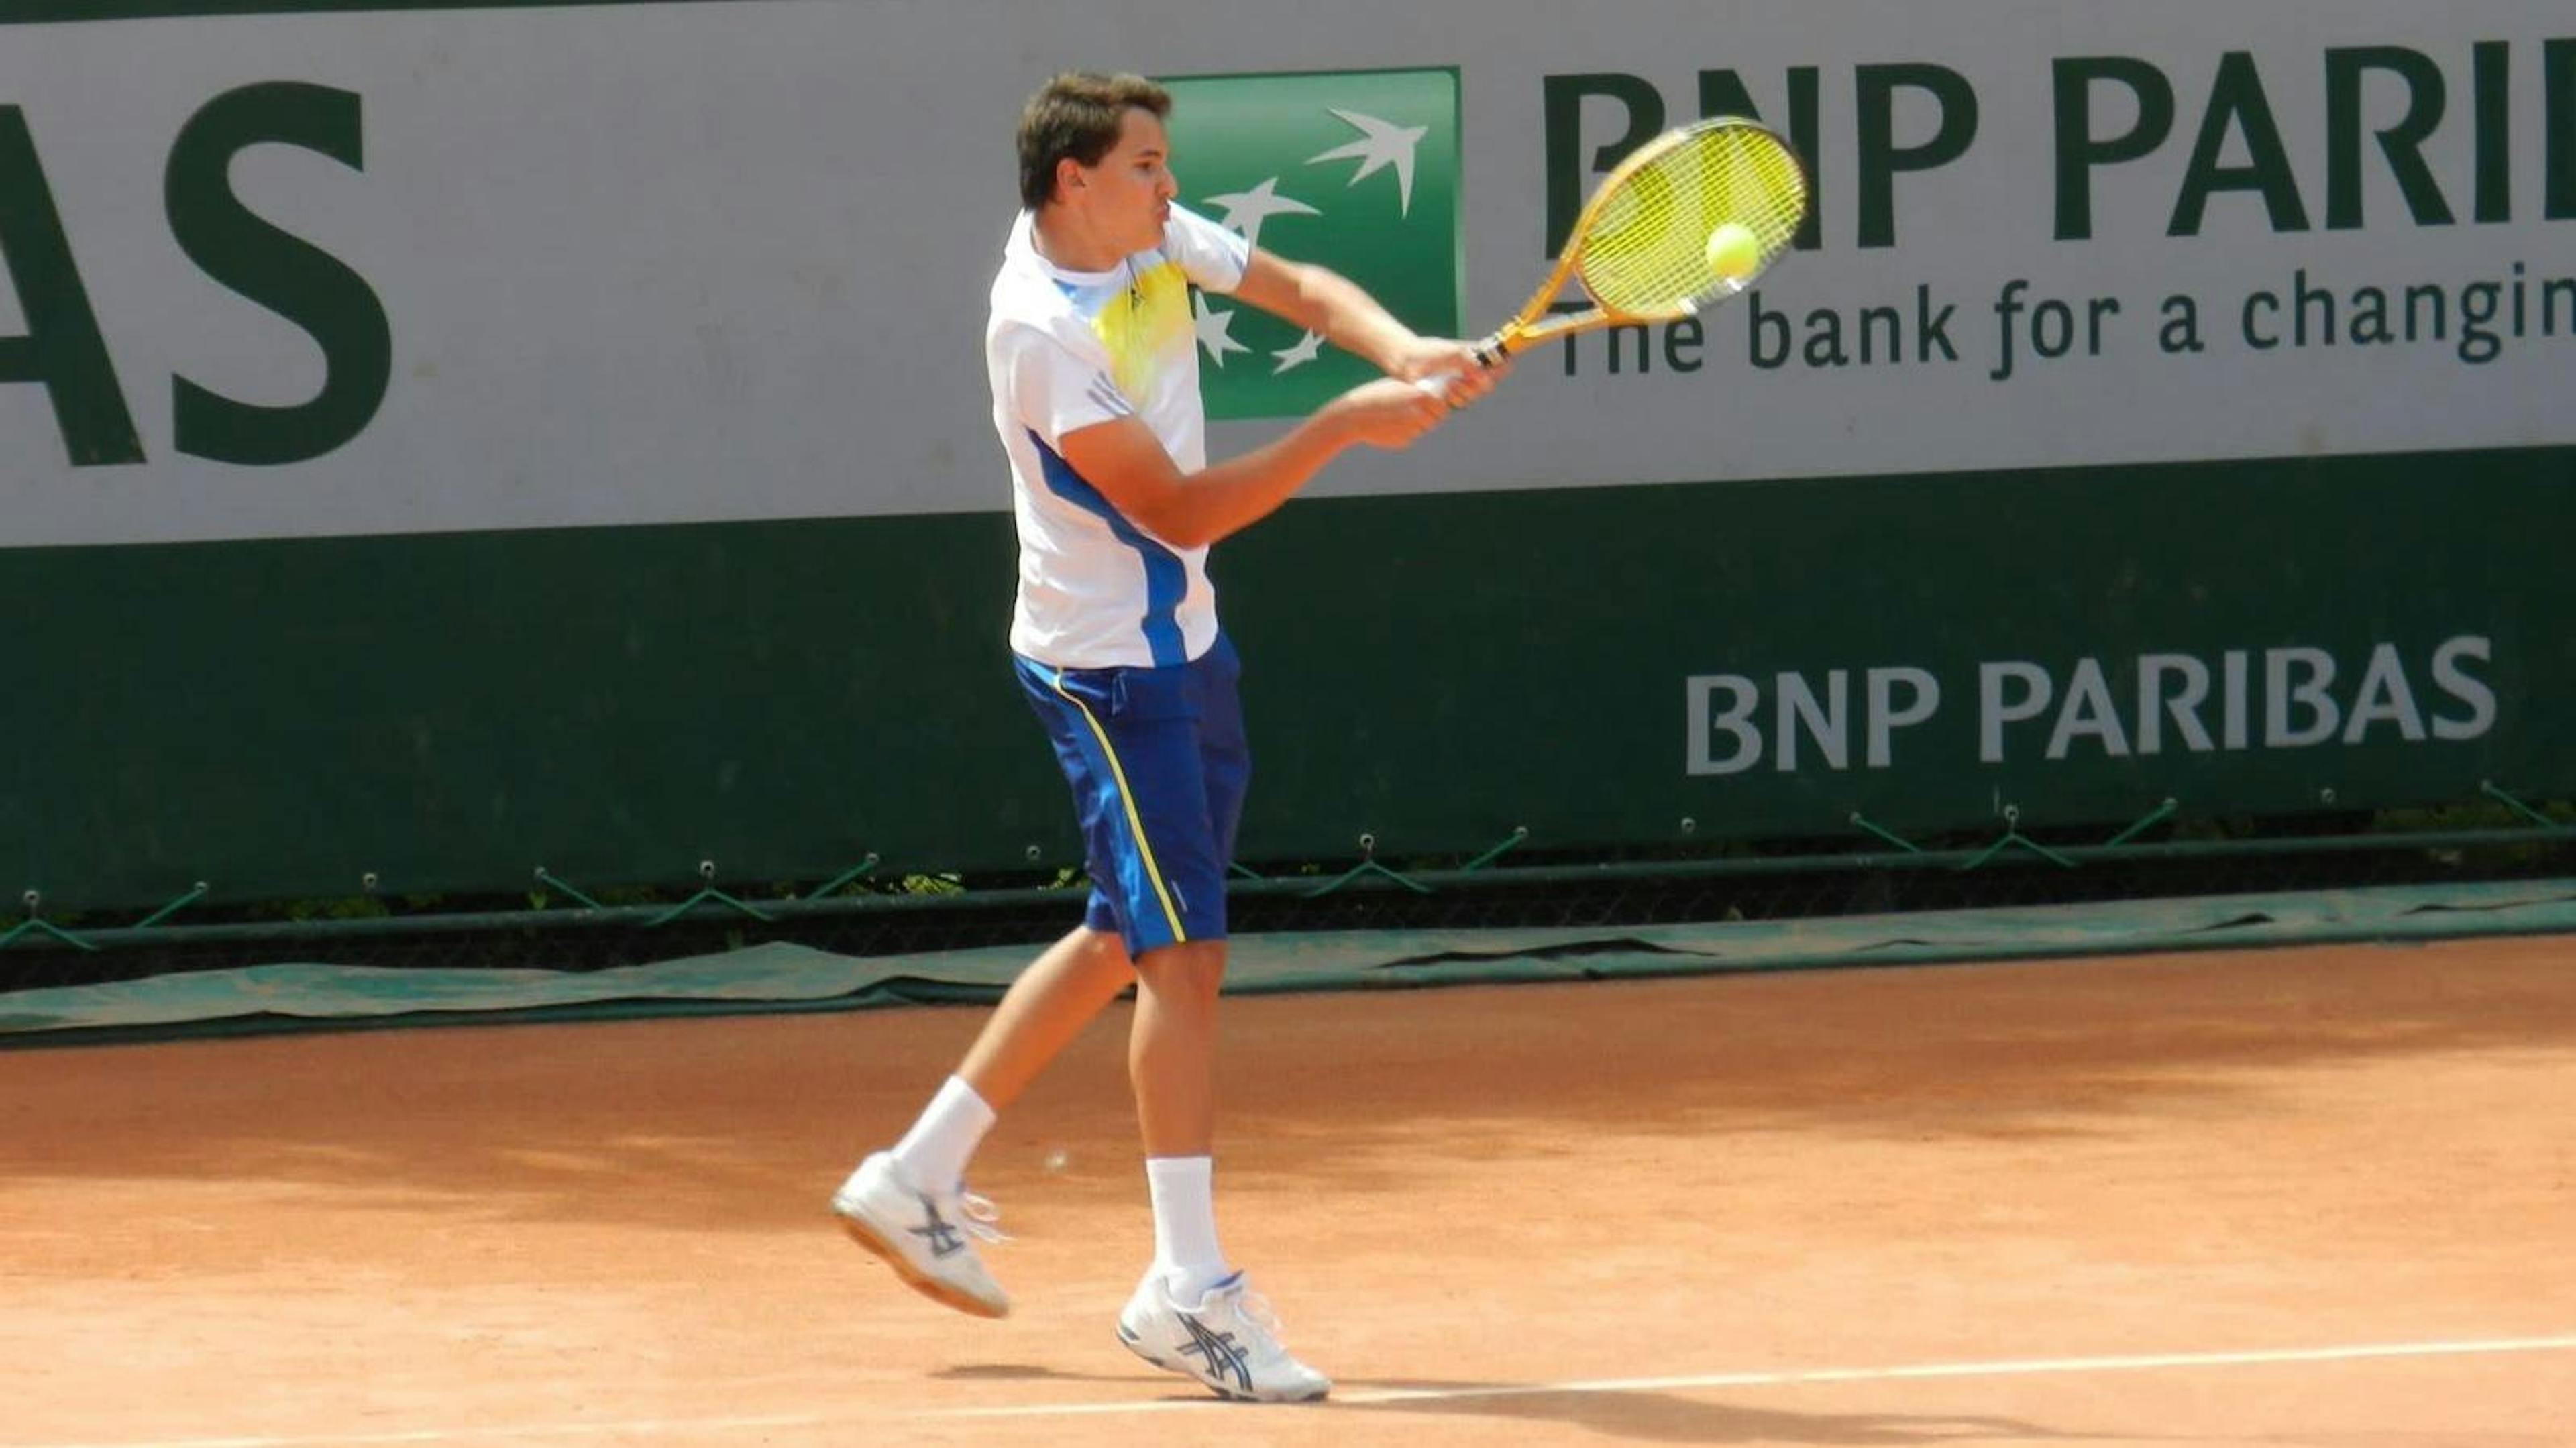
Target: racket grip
(1487,353)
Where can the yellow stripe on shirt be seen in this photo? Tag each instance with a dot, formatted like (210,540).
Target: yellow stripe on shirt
(1145,326)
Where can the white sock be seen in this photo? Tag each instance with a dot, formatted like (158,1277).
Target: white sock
(934,1153)
(1185,1250)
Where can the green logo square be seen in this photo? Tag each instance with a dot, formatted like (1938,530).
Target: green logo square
(1353,170)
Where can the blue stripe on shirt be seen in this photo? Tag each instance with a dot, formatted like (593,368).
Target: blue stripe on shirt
(1165,578)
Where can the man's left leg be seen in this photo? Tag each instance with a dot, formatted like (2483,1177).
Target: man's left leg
(1192,1314)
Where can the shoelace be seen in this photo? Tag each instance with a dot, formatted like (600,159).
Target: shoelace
(1256,1309)
(978,1218)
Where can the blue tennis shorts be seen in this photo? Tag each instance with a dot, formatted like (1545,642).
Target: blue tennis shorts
(1158,766)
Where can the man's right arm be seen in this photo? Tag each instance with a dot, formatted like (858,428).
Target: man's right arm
(1128,464)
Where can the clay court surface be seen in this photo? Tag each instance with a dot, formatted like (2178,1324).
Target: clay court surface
(2296,1197)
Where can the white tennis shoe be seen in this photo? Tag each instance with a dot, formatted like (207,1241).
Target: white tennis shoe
(927,1237)
(1229,1342)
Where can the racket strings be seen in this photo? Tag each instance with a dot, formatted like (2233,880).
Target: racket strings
(1646,251)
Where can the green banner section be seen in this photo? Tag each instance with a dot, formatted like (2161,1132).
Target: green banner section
(1353,170)
(450,712)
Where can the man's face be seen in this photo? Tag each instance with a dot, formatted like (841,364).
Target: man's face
(1129,194)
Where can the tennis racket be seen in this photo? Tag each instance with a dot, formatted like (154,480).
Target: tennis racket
(1688,220)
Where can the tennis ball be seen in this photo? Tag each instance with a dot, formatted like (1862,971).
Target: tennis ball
(1734,252)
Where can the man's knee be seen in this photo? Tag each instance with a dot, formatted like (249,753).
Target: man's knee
(1195,966)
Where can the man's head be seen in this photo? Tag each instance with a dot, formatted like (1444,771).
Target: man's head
(1096,142)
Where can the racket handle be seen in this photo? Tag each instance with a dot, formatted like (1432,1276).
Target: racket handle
(1487,353)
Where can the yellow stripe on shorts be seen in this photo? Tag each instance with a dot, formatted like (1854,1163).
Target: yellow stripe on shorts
(1127,802)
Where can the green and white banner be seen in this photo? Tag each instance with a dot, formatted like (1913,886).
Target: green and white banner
(449,440)
(414,268)
(1357,171)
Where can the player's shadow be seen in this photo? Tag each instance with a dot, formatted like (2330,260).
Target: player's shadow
(1673,1418)
(1032,1373)
(1655,1416)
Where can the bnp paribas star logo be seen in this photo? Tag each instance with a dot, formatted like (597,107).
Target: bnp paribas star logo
(1356,170)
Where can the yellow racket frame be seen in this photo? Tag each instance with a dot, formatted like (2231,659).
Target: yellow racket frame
(1639,244)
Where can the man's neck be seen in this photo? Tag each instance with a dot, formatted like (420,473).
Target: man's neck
(1064,241)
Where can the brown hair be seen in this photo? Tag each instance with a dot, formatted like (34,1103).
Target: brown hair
(1076,117)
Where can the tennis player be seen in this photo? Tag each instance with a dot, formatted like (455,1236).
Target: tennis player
(1094,367)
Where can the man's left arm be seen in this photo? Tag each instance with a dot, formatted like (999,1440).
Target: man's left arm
(1337,309)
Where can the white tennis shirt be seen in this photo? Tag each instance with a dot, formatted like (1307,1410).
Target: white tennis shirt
(1066,350)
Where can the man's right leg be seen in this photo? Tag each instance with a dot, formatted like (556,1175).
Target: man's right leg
(1043,1011)
(909,1205)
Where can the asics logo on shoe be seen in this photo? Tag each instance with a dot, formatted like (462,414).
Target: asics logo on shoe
(1217,1349)
(939,1232)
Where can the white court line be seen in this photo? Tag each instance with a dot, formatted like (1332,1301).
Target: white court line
(1996,1369)
(2021,1368)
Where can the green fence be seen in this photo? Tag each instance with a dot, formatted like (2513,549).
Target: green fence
(1612,668)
